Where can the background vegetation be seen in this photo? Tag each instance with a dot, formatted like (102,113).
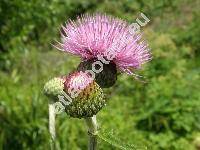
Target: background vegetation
(162,114)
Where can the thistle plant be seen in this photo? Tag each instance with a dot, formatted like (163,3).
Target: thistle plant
(107,39)
(52,89)
(106,46)
(88,96)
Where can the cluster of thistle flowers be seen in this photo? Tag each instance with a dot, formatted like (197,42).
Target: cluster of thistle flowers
(106,45)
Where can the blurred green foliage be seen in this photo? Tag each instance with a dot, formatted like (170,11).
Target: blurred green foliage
(160,114)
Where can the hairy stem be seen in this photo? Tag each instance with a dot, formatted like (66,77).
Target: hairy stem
(52,120)
(92,132)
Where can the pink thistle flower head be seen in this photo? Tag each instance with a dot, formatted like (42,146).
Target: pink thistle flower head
(100,35)
(87,96)
(77,81)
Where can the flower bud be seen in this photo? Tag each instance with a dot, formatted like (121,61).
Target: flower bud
(54,87)
(106,77)
(87,96)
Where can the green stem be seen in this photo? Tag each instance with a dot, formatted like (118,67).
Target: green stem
(92,132)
